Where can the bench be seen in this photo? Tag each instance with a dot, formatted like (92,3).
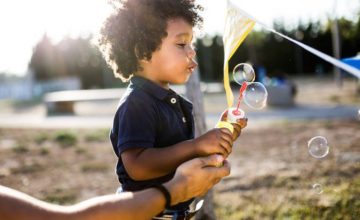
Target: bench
(280,95)
(63,102)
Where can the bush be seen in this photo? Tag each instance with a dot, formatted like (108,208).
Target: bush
(20,148)
(66,139)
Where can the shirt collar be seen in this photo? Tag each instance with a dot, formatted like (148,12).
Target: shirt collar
(150,87)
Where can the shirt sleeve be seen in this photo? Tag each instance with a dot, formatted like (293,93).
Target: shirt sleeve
(136,125)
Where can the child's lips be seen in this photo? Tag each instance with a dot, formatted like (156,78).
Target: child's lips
(192,67)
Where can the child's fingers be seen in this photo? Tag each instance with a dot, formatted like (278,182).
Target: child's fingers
(225,131)
(222,150)
(223,116)
(226,134)
(237,127)
(237,131)
(226,143)
(242,122)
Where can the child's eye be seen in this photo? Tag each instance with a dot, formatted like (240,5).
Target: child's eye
(181,45)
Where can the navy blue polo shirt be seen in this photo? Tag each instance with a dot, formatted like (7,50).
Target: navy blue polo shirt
(149,116)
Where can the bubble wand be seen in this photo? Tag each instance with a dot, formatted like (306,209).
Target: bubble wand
(241,91)
(253,93)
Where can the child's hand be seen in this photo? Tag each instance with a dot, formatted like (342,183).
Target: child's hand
(238,126)
(215,141)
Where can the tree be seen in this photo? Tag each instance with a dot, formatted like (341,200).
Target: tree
(70,57)
(194,94)
(43,59)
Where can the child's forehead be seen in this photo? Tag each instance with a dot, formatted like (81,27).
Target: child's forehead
(179,28)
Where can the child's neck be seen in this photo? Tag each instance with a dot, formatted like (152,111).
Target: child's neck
(160,83)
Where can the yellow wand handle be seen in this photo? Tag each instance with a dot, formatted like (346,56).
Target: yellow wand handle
(225,124)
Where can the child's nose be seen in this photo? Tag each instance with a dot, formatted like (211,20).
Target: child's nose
(191,52)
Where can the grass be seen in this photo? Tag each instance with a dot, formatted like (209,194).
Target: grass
(44,151)
(335,98)
(66,138)
(97,136)
(61,197)
(94,167)
(270,179)
(28,169)
(41,138)
(20,148)
(343,203)
(80,150)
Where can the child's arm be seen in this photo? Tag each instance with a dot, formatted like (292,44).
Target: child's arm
(149,163)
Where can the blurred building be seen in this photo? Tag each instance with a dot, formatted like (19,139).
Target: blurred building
(26,87)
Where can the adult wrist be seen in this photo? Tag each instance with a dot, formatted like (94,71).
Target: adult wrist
(165,192)
(175,193)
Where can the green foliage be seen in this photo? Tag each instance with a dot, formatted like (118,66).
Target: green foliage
(97,136)
(66,138)
(27,169)
(80,150)
(279,56)
(41,138)
(70,57)
(342,204)
(20,148)
(94,167)
(44,151)
(335,98)
(78,57)
(61,197)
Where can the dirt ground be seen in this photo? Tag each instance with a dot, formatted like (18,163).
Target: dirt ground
(272,172)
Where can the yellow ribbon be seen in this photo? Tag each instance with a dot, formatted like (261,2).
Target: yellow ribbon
(237,26)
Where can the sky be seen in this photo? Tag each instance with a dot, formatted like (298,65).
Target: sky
(24,22)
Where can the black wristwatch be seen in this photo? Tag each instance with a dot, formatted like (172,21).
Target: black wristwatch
(165,192)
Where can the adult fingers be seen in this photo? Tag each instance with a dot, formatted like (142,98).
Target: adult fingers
(211,161)
(219,172)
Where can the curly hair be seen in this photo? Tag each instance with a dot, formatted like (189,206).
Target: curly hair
(136,28)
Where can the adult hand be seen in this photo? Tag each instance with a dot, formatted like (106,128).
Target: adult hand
(238,126)
(195,177)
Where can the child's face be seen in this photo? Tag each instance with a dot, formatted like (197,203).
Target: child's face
(174,61)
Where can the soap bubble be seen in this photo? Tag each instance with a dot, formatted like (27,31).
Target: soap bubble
(255,95)
(317,188)
(318,147)
(243,72)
